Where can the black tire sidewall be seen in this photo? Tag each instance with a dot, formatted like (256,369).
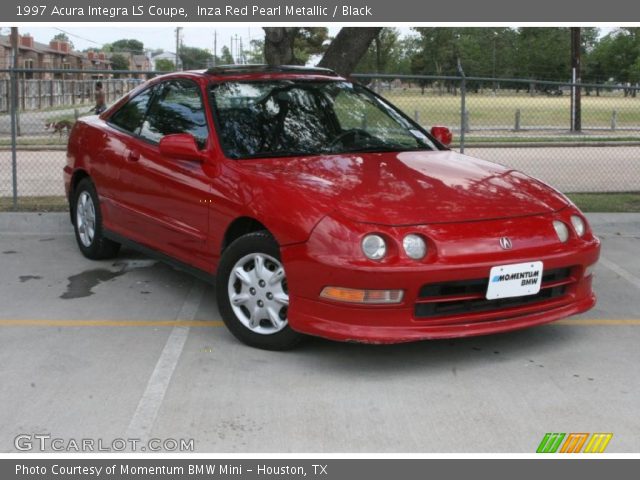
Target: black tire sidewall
(100,247)
(258,242)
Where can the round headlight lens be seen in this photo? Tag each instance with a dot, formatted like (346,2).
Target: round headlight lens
(578,225)
(374,247)
(562,230)
(414,246)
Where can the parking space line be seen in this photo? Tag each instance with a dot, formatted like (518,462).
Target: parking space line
(145,415)
(627,275)
(110,323)
(597,321)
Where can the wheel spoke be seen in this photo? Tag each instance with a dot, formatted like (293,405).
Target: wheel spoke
(281,298)
(277,276)
(243,275)
(240,299)
(260,269)
(274,317)
(255,317)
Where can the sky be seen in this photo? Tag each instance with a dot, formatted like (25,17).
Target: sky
(153,37)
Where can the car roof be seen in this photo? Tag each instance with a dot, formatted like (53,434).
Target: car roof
(260,71)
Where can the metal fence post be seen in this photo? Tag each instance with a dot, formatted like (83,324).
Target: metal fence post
(13,109)
(463,105)
(614,119)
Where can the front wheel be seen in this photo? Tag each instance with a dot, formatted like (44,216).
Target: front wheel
(253,295)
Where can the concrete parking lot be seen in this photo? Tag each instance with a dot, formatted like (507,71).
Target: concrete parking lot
(134,349)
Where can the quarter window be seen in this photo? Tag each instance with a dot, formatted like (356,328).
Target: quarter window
(176,108)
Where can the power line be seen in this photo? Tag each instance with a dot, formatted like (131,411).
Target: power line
(78,36)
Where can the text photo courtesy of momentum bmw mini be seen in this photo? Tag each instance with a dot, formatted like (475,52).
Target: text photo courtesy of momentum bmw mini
(319,208)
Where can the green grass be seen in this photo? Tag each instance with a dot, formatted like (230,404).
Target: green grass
(587,202)
(607,202)
(500,110)
(35,204)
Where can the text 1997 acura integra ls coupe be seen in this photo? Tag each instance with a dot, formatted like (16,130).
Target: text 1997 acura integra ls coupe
(321,209)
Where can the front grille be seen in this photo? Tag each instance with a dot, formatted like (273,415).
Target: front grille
(468,296)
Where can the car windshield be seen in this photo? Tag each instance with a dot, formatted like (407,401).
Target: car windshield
(296,117)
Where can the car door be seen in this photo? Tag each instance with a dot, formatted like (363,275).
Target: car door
(169,194)
(110,163)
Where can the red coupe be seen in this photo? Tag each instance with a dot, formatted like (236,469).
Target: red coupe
(319,208)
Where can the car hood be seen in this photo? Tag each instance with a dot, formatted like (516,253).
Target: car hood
(409,188)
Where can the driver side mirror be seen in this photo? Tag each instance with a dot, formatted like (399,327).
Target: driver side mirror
(181,146)
(442,134)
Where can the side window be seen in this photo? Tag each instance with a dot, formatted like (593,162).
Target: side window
(177,108)
(131,114)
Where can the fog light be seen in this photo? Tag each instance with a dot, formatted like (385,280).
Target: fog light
(578,225)
(374,247)
(562,230)
(352,295)
(589,270)
(414,246)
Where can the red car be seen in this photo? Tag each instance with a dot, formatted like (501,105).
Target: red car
(319,208)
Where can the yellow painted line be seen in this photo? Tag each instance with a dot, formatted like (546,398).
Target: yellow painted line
(110,323)
(596,321)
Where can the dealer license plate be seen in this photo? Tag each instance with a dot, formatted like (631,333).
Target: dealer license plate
(517,280)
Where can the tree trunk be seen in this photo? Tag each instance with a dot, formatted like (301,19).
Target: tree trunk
(278,45)
(346,50)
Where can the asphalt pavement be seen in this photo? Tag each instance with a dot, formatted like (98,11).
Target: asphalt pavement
(132,349)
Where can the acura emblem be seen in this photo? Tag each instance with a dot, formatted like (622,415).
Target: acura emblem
(505,243)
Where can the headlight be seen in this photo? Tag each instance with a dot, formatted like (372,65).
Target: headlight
(562,230)
(374,247)
(414,246)
(578,225)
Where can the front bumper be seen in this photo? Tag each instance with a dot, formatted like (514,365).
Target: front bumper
(310,269)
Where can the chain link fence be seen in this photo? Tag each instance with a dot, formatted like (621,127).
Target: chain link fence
(525,124)
(37,111)
(537,127)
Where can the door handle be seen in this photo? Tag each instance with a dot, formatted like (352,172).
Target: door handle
(133,156)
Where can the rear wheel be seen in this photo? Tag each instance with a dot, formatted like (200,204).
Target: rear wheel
(87,222)
(253,295)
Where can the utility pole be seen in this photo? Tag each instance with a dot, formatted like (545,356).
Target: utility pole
(576,110)
(178,63)
(241,52)
(215,48)
(231,49)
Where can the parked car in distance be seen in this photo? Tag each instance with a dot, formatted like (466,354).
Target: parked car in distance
(321,209)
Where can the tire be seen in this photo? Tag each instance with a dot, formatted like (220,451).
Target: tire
(252,293)
(87,223)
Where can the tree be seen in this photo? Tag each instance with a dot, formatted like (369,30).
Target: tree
(119,62)
(388,53)
(347,48)
(278,45)
(617,57)
(63,37)
(195,58)
(225,57)
(128,45)
(165,65)
(295,46)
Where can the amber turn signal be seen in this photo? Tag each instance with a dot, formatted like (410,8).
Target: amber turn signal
(352,295)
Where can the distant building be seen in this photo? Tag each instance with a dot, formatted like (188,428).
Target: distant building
(55,55)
